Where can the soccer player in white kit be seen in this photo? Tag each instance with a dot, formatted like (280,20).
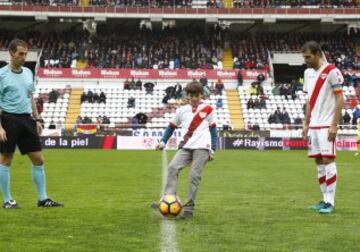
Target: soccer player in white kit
(323,84)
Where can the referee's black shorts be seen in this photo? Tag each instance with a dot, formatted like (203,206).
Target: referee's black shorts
(20,131)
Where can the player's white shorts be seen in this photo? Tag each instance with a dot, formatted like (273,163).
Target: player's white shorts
(319,145)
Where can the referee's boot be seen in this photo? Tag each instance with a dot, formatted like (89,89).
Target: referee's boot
(49,203)
(11,204)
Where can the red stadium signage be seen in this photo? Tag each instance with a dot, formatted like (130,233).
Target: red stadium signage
(110,73)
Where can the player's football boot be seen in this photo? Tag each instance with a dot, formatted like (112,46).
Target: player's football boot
(327,209)
(318,206)
(154,205)
(187,214)
(11,204)
(49,203)
(188,210)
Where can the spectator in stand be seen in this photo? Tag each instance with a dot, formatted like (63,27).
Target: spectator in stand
(219,103)
(87,120)
(262,102)
(252,90)
(102,97)
(40,105)
(219,86)
(133,84)
(356,115)
(138,84)
(142,119)
(99,121)
(90,96)
(259,88)
(203,80)
(83,98)
(275,117)
(170,92)
(52,125)
(166,99)
(131,102)
(285,90)
(105,120)
(53,96)
(285,118)
(149,87)
(178,91)
(250,104)
(96,97)
(79,120)
(346,118)
(257,103)
(240,79)
(134,123)
(227,126)
(126,85)
(298,122)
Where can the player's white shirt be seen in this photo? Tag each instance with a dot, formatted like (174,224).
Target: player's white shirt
(202,118)
(324,109)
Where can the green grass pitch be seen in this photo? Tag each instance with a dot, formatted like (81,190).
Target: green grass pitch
(248,201)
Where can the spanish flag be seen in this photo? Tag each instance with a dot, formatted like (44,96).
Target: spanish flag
(86,129)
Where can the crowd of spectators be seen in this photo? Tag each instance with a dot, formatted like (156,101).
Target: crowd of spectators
(176,48)
(108,3)
(295,3)
(87,120)
(279,117)
(251,51)
(92,97)
(189,3)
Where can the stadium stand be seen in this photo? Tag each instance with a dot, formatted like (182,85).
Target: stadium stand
(53,111)
(158,114)
(259,117)
(165,50)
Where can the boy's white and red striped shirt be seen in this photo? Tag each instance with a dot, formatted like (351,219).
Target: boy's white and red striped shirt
(194,123)
(323,109)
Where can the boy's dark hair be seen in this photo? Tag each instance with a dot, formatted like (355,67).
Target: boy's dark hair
(15,43)
(313,46)
(194,87)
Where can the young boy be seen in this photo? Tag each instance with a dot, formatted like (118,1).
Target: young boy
(197,146)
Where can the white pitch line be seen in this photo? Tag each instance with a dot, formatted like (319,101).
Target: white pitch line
(168,228)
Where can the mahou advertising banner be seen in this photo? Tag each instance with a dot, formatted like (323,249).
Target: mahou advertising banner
(110,73)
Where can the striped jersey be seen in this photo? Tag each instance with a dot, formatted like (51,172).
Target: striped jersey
(321,86)
(195,123)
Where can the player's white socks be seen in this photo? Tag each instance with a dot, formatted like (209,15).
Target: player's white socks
(322,179)
(330,183)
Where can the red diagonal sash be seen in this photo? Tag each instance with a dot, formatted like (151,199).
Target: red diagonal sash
(195,123)
(319,83)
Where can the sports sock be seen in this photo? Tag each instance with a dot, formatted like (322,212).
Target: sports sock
(5,182)
(321,173)
(38,176)
(331,174)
